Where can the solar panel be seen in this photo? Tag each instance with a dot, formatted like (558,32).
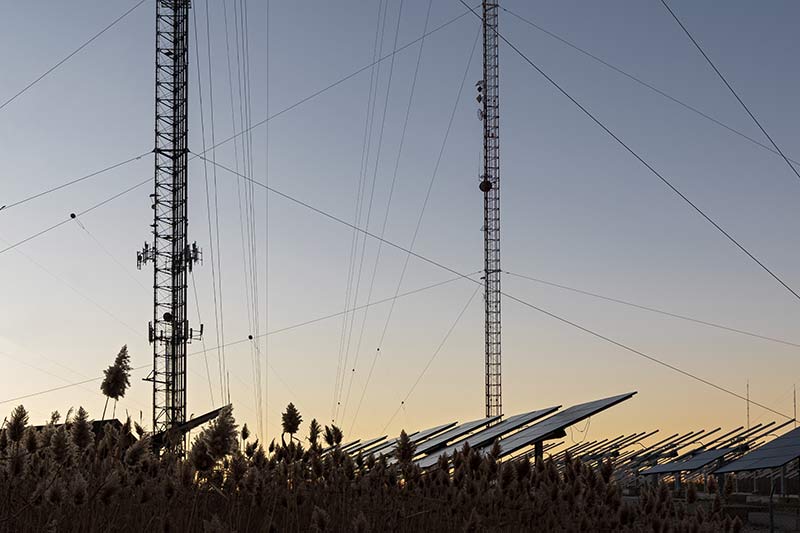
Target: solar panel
(365,444)
(773,454)
(374,450)
(547,428)
(690,464)
(441,441)
(488,435)
(348,445)
(426,434)
(389,447)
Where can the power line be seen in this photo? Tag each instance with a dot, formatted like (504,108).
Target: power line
(643,83)
(111,256)
(274,332)
(394,174)
(518,300)
(253,126)
(211,242)
(366,143)
(6,207)
(202,339)
(371,304)
(76,290)
(643,162)
(69,218)
(266,216)
(728,85)
(642,354)
(419,222)
(250,255)
(369,212)
(431,359)
(655,310)
(71,54)
(339,81)
(242,228)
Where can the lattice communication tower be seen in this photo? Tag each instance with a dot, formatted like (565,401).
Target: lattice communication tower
(488,97)
(171,254)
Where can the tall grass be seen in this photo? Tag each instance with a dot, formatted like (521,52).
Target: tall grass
(64,478)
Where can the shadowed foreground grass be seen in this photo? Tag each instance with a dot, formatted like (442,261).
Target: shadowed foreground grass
(63,478)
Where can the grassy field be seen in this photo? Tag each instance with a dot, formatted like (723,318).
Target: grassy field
(62,477)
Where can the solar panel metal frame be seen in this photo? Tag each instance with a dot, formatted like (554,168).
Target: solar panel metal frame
(382,448)
(487,436)
(348,445)
(629,450)
(342,447)
(440,441)
(658,450)
(365,444)
(602,450)
(579,448)
(420,436)
(636,456)
(431,432)
(690,464)
(733,441)
(752,440)
(545,429)
(773,454)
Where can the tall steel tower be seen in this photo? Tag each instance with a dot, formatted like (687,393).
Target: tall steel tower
(489,98)
(170,253)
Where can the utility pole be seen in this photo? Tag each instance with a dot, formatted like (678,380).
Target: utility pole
(489,98)
(170,253)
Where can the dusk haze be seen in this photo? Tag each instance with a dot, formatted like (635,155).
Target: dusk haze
(401,265)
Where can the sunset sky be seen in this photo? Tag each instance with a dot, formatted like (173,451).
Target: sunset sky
(577,209)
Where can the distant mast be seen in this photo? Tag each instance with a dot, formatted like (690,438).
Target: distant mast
(488,97)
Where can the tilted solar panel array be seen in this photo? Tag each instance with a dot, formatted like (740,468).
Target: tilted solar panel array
(366,444)
(559,421)
(387,448)
(690,464)
(440,441)
(773,454)
(511,433)
(488,435)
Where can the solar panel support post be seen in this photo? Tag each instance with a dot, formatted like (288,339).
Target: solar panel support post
(489,98)
(171,254)
(771,508)
(538,452)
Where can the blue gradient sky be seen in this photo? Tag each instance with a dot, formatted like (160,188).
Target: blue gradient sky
(577,209)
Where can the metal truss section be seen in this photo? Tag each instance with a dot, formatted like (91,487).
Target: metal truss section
(488,96)
(170,252)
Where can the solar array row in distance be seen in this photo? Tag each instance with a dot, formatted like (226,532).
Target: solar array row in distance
(773,454)
(559,421)
(365,444)
(440,441)
(488,435)
(389,447)
(690,464)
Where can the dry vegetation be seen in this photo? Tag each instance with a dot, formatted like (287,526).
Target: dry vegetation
(63,478)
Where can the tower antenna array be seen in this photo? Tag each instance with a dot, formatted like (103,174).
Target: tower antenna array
(489,98)
(170,253)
